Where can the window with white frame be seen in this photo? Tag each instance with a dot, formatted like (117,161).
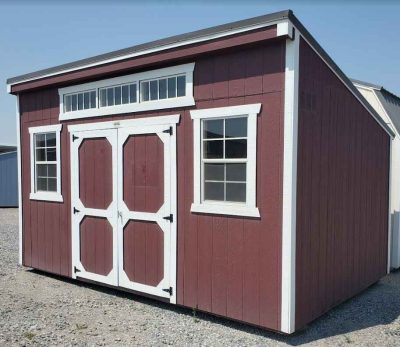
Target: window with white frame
(150,90)
(45,163)
(225,160)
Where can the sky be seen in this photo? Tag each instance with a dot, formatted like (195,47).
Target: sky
(362,37)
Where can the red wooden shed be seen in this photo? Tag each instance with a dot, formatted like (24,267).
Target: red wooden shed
(234,170)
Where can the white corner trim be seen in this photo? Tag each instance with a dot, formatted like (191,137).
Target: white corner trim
(249,208)
(285,28)
(391,180)
(159,120)
(226,209)
(20,227)
(240,110)
(45,196)
(139,106)
(290,186)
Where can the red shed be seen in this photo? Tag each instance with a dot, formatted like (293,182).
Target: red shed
(234,170)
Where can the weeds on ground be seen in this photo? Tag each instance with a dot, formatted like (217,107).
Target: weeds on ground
(194,312)
(29,335)
(348,339)
(81,326)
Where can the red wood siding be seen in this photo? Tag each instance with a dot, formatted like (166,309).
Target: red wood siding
(342,193)
(228,266)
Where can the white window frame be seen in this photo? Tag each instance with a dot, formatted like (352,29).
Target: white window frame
(138,106)
(248,209)
(42,195)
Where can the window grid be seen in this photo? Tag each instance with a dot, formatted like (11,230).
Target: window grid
(172,87)
(84,100)
(49,179)
(118,95)
(222,160)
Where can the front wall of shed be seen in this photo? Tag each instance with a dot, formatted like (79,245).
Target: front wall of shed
(229,266)
(342,193)
(8,180)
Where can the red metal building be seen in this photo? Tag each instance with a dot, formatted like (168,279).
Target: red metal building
(235,170)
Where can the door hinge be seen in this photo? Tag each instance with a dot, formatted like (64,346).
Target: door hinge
(170,218)
(74,138)
(76,210)
(168,290)
(76,269)
(168,131)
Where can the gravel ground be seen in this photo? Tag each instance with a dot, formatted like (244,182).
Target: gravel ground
(37,309)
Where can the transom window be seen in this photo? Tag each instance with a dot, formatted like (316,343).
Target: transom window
(225,144)
(45,163)
(224,159)
(164,88)
(118,95)
(80,101)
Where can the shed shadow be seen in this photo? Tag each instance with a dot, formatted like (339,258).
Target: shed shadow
(377,305)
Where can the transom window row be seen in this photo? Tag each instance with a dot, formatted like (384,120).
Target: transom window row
(150,90)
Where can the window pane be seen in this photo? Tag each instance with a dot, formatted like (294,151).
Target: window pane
(236,127)
(236,149)
(145,91)
(41,184)
(41,170)
(132,90)
(172,87)
(40,155)
(236,192)
(80,101)
(154,90)
(93,99)
(86,100)
(67,103)
(125,94)
(213,129)
(103,97)
(181,85)
(214,191)
(213,149)
(52,184)
(110,96)
(117,91)
(40,140)
(52,170)
(50,139)
(74,102)
(214,172)
(51,154)
(162,88)
(236,172)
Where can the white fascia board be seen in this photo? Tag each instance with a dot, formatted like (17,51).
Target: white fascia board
(290,133)
(158,49)
(224,111)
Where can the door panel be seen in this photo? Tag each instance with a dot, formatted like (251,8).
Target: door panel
(144,202)
(143,173)
(94,205)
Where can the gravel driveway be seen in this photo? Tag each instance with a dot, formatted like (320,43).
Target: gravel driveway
(37,309)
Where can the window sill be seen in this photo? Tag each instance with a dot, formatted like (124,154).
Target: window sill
(225,209)
(46,196)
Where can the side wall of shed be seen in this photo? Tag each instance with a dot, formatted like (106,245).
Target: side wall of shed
(8,180)
(342,192)
(229,266)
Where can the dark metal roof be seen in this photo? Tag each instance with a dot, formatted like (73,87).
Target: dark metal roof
(7,148)
(260,20)
(154,44)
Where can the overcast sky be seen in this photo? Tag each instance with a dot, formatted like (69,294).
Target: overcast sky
(362,38)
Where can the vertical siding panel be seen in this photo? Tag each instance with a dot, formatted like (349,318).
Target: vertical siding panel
(235,268)
(236,64)
(205,262)
(221,74)
(203,79)
(219,265)
(254,72)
